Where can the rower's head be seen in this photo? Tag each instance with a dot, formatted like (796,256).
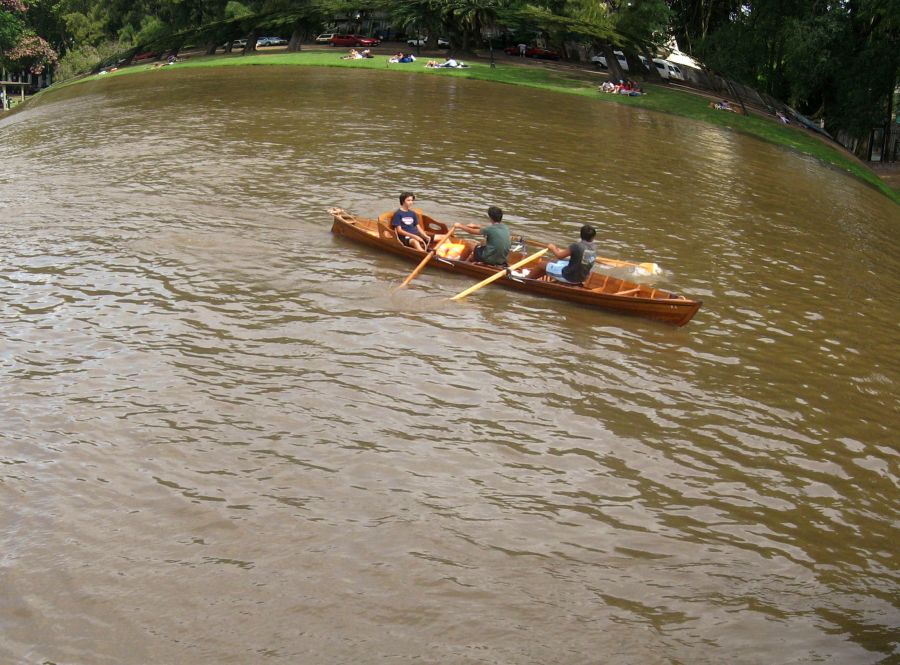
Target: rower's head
(407,198)
(588,232)
(496,214)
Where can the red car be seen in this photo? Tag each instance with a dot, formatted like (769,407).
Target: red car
(354,40)
(534,52)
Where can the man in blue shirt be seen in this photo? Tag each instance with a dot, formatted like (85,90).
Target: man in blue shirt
(407,224)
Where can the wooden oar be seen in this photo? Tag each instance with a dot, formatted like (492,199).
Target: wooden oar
(499,274)
(651,268)
(428,256)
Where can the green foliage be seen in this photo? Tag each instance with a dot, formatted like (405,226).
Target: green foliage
(11,28)
(809,61)
(644,23)
(85,28)
(235,9)
(152,30)
(836,60)
(82,59)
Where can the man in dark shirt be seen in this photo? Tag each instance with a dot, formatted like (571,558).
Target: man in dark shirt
(497,241)
(578,258)
(407,224)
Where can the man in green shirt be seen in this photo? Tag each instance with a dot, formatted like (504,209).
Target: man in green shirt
(497,241)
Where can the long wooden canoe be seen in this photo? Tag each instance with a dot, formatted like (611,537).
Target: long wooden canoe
(599,291)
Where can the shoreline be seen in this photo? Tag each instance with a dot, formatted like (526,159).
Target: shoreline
(556,76)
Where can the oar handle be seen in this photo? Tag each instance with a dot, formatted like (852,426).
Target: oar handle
(431,252)
(500,273)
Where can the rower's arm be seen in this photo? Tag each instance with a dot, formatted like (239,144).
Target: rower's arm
(559,253)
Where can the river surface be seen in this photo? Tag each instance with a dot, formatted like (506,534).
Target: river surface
(225,440)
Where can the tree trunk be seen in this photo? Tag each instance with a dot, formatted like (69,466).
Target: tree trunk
(635,66)
(250,46)
(612,63)
(294,42)
(736,93)
(211,47)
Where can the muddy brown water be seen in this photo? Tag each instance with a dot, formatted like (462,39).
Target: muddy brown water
(224,440)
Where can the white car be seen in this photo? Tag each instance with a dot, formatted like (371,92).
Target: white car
(324,38)
(673,70)
(271,41)
(666,69)
(600,60)
(421,41)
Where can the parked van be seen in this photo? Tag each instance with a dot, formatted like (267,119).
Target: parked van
(672,70)
(666,69)
(600,60)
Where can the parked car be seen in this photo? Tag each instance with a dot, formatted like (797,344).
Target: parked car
(673,70)
(534,52)
(271,41)
(666,69)
(324,38)
(421,41)
(600,60)
(236,44)
(353,40)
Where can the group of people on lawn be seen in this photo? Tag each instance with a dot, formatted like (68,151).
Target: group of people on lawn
(623,87)
(405,58)
(573,264)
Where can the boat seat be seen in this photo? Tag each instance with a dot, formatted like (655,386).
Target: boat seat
(385,230)
(600,288)
(627,292)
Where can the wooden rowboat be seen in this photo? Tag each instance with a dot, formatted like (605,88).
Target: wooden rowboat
(599,291)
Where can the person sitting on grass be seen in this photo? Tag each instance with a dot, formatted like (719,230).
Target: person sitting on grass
(353,55)
(630,88)
(400,58)
(452,64)
(724,105)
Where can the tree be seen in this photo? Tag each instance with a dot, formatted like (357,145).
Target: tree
(12,25)
(20,47)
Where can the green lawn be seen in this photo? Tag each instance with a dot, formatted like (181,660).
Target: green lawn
(572,82)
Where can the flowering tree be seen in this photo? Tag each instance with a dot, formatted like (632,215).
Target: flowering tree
(19,46)
(33,53)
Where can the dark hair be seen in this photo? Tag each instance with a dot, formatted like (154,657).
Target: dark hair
(588,232)
(495,214)
(403,196)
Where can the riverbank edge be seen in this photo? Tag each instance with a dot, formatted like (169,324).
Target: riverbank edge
(555,77)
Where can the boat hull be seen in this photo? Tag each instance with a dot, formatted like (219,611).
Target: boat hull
(600,292)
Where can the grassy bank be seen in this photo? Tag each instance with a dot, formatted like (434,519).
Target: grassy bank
(584,83)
